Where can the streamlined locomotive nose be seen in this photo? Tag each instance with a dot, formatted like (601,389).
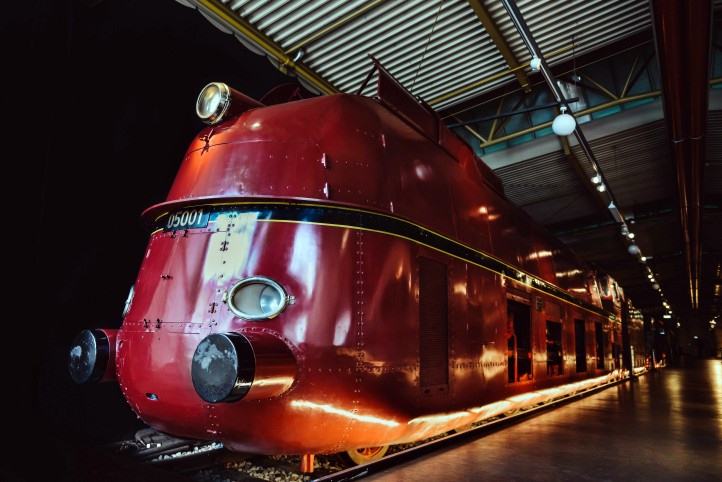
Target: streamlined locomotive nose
(91,356)
(233,366)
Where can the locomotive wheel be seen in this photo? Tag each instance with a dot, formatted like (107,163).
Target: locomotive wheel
(363,455)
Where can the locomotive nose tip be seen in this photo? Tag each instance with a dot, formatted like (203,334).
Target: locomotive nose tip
(88,357)
(223,367)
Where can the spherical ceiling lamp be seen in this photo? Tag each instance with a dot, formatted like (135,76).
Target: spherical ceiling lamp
(535,64)
(655,286)
(563,124)
(633,249)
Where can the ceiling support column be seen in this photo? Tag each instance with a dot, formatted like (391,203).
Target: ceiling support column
(683,32)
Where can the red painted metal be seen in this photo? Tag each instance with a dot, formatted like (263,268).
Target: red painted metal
(683,48)
(348,345)
(109,373)
(275,366)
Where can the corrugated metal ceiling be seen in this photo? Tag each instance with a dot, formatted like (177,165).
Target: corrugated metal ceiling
(455,48)
(589,23)
(636,164)
(546,188)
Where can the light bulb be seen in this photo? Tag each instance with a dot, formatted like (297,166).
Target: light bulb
(535,64)
(564,124)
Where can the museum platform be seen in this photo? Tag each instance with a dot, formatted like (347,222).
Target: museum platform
(667,425)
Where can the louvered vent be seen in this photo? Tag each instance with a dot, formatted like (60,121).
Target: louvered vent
(433,324)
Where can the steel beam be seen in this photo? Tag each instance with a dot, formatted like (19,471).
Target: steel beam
(490,78)
(581,113)
(559,69)
(683,41)
(546,73)
(501,43)
(239,25)
(334,26)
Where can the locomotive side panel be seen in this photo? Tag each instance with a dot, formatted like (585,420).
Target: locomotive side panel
(386,311)
(478,329)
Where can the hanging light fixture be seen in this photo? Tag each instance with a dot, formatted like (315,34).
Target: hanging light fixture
(535,64)
(564,124)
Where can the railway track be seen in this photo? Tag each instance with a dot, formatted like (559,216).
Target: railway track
(210,462)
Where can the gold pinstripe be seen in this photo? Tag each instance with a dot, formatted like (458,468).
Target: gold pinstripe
(388,233)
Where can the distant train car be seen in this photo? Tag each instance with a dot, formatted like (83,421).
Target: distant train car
(341,273)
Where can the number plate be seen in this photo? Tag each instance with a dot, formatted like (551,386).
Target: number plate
(187,219)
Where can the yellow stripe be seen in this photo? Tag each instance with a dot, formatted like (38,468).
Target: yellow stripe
(435,249)
(366,211)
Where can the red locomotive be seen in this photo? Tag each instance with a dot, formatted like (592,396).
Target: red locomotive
(341,272)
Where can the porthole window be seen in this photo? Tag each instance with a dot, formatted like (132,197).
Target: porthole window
(257,298)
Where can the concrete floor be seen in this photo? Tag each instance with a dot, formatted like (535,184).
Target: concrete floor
(666,426)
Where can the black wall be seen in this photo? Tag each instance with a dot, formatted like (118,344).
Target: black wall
(102,97)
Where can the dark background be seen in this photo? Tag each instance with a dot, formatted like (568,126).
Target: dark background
(99,101)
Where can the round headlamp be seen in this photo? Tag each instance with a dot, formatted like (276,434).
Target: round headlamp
(257,298)
(213,102)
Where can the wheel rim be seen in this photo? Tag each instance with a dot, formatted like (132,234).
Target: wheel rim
(369,451)
(367,454)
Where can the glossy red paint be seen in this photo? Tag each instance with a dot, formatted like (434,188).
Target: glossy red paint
(349,344)
(109,373)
